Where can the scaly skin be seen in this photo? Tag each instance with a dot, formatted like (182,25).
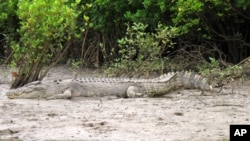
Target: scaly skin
(120,87)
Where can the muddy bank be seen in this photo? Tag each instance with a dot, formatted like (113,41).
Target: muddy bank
(180,115)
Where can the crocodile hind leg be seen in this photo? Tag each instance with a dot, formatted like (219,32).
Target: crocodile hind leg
(133,91)
(67,94)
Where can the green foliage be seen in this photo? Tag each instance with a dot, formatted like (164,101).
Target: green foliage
(148,12)
(244,4)
(214,23)
(47,29)
(8,26)
(186,14)
(45,26)
(141,51)
(106,15)
(213,71)
(192,14)
(7,15)
(208,68)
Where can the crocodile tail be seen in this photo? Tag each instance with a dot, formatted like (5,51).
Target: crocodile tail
(190,80)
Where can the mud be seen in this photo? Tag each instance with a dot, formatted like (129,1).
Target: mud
(180,115)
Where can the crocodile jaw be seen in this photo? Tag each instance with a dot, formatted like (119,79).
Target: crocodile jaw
(25,93)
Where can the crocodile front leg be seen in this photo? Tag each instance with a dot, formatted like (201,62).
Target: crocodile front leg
(67,94)
(133,91)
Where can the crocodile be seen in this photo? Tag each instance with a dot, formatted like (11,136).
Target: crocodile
(119,87)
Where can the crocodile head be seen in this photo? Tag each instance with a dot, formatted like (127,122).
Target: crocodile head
(30,91)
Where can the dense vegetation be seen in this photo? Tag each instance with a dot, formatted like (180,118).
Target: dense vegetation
(122,36)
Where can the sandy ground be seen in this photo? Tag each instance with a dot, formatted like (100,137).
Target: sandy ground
(180,115)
